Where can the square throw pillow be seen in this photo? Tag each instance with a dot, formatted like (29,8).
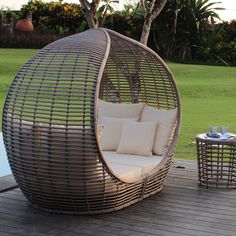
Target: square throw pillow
(137,138)
(119,110)
(165,120)
(111,132)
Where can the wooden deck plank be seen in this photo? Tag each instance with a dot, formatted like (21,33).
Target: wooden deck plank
(7,182)
(182,208)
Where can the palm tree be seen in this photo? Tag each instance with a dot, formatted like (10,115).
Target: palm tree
(181,25)
(202,10)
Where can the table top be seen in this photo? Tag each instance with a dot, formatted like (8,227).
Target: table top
(228,137)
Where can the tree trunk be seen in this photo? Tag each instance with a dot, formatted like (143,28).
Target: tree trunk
(90,10)
(92,22)
(146,30)
(175,21)
(155,7)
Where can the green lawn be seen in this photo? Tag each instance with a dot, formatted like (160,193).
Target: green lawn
(10,62)
(208,95)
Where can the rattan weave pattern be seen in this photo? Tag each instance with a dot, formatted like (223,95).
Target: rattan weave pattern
(216,163)
(50,121)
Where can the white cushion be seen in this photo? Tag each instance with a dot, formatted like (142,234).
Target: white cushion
(137,138)
(119,110)
(145,163)
(165,120)
(126,172)
(111,132)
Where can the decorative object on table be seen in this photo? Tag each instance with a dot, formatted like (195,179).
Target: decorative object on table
(223,129)
(222,135)
(217,160)
(214,131)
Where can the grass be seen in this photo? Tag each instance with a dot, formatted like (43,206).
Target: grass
(208,95)
(10,62)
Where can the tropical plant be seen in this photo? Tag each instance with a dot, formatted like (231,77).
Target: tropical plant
(94,13)
(105,9)
(202,10)
(129,21)
(229,33)
(211,45)
(57,17)
(180,27)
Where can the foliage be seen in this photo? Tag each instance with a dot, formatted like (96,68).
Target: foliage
(202,10)
(186,32)
(229,32)
(57,17)
(105,9)
(128,22)
(211,45)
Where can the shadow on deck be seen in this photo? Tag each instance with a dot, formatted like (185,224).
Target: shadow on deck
(182,208)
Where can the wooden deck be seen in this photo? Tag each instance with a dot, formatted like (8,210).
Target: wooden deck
(182,208)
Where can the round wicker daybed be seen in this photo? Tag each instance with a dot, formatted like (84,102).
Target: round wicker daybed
(50,121)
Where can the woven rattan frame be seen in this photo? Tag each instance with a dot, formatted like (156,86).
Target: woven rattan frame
(216,163)
(50,121)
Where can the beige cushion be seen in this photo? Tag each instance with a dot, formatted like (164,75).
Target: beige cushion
(126,172)
(119,110)
(100,131)
(137,138)
(111,133)
(165,120)
(146,163)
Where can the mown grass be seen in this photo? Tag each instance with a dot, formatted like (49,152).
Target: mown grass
(10,62)
(208,95)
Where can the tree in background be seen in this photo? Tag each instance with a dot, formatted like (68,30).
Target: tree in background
(184,31)
(151,9)
(105,10)
(181,26)
(94,13)
(90,12)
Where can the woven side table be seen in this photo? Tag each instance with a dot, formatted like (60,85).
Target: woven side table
(216,162)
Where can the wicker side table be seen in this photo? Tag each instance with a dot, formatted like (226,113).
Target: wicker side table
(216,162)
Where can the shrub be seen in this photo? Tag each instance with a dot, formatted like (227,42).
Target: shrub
(55,17)
(127,23)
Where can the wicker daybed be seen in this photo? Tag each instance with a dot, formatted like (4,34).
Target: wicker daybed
(51,122)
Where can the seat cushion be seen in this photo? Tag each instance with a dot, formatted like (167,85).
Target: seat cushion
(126,172)
(165,120)
(119,110)
(131,166)
(137,138)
